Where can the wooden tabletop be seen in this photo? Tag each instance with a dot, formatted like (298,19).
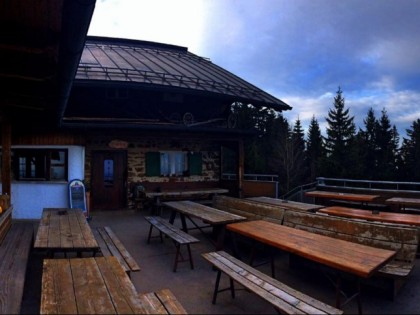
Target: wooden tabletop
(360,260)
(286,204)
(186,192)
(390,217)
(403,201)
(64,229)
(208,214)
(341,196)
(94,285)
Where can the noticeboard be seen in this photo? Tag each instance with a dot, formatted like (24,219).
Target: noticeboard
(77,195)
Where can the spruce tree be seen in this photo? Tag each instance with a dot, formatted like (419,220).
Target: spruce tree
(315,151)
(367,145)
(385,149)
(410,152)
(300,162)
(340,138)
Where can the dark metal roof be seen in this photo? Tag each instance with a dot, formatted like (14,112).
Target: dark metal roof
(166,67)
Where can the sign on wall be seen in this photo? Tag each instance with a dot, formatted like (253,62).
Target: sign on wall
(77,196)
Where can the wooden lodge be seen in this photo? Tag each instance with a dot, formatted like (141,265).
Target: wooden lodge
(115,113)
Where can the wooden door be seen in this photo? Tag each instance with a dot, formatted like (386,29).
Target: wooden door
(109,172)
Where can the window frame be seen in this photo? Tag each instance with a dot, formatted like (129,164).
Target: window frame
(193,163)
(39,164)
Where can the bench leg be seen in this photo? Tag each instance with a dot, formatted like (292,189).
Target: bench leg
(150,234)
(190,256)
(216,287)
(178,248)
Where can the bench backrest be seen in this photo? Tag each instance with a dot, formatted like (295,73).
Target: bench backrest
(402,238)
(252,210)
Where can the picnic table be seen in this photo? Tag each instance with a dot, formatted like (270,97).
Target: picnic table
(93,285)
(402,203)
(65,230)
(364,199)
(157,196)
(359,260)
(287,204)
(185,192)
(214,217)
(390,217)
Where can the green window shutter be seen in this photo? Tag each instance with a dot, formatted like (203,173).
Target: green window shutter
(152,164)
(195,163)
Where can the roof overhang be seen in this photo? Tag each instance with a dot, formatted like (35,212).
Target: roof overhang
(41,43)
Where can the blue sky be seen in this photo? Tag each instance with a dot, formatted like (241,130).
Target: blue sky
(299,51)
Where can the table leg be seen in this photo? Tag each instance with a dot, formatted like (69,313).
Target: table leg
(172,217)
(184,223)
(220,231)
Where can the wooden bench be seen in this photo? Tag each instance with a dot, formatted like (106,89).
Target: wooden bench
(14,253)
(161,302)
(252,210)
(178,236)
(5,222)
(284,298)
(110,245)
(400,238)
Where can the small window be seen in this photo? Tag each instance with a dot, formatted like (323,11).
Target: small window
(40,164)
(173,163)
(109,172)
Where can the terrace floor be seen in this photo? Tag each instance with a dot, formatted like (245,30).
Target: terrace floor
(194,288)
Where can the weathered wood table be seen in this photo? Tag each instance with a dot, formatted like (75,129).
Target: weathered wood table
(353,258)
(287,204)
(402,203)
(92,285)
(184,194)
(214,217)
(65,230)
(390,217)
(332,195)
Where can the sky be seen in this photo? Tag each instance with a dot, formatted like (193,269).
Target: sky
(299,51)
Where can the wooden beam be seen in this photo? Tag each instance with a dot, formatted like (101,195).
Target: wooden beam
(241,157)
(6,136)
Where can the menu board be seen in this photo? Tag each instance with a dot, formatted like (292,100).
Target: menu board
(77,195)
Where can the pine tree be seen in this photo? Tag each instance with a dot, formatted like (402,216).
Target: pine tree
(300,162)
(410,152)
(340,138)
(385,149)
(367,145)
(315,151)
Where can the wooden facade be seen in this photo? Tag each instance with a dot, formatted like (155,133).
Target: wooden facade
(121,112)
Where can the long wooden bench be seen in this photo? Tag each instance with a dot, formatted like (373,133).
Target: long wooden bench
(283,298)
(400,238)
(161,302)
(178,236)
(5,222)
(110,245)
(14,253)
(252,210)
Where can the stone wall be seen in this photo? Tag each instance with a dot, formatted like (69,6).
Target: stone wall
(136,169)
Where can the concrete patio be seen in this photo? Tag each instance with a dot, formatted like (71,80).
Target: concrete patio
(194,288)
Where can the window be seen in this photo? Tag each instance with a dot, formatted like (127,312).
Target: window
(40,164)
(173,163)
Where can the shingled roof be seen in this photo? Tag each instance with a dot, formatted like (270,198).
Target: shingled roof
(166,67)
